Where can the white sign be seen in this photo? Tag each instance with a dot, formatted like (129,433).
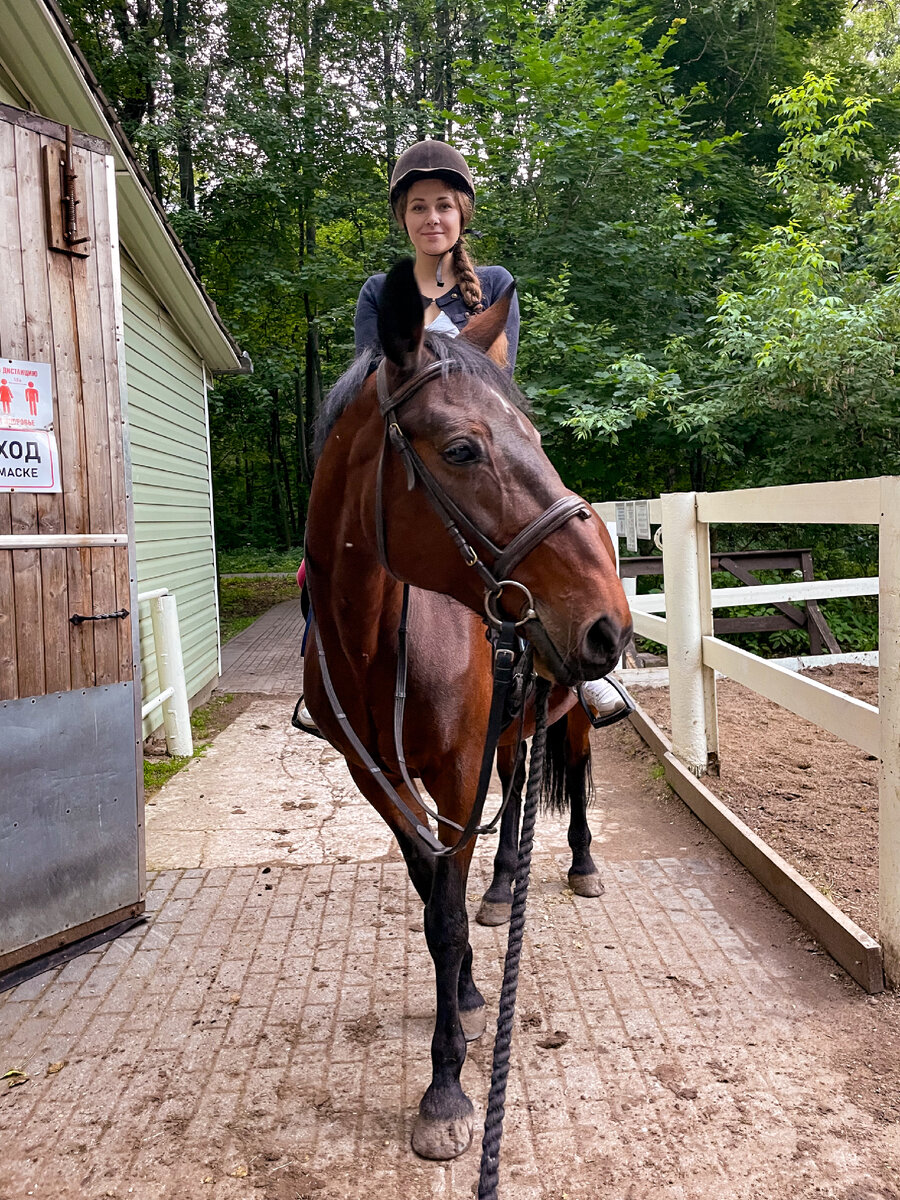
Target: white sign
(29,461)
(642,518)
(26,395)
(630,527)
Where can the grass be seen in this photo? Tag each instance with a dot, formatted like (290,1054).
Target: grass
(241,601)
(249,558)
(657,771)
(205,723)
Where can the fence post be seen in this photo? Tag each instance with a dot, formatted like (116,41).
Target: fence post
(889,722)
(170,667)
(692,686)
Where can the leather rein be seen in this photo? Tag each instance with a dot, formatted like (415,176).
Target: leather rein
(511,658)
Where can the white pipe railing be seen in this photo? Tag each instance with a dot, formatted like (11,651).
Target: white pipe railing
(695,655)
(172,696)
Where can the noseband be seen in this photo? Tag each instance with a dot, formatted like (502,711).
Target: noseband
(461,529)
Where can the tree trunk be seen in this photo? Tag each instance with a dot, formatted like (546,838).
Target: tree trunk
(174,21)
(302,439)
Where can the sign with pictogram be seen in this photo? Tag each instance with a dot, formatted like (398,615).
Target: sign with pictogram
(29,461)
(26,395)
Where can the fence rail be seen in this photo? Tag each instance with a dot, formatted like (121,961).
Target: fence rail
(695,655)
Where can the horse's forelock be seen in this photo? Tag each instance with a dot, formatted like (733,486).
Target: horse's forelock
(453,352)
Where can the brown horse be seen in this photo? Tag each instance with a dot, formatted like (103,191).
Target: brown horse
(369,511)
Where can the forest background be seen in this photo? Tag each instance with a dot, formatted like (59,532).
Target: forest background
(699,201)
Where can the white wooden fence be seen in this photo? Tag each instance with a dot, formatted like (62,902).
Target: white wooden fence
(695,654)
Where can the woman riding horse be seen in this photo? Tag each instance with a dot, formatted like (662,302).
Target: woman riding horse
(430,475)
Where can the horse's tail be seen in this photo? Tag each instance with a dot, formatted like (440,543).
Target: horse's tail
(567,763)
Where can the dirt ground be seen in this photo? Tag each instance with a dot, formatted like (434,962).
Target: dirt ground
(810,795)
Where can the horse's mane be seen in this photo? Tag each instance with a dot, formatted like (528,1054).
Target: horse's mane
(458,351)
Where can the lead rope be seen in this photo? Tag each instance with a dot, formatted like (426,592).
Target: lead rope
(493,1121)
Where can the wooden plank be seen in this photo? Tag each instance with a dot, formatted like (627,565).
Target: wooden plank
(889,706)
(844,716)
(858,953)
(106,241)
(12,345)
(73,464)
(51,129)
(23,505)
(87,299)
(846,502)
(769,593)
(651,627)
(764,624)
(53,632)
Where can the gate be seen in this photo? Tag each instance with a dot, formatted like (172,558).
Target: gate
(71,824)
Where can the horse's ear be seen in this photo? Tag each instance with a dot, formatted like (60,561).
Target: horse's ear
(401,317)
(488,330)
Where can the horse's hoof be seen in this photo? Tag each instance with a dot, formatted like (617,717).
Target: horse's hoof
(493,914)
(587,885)
(442,1139)
(473,1022)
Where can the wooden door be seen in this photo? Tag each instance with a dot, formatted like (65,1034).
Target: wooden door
(69,797)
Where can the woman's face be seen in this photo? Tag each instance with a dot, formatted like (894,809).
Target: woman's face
(432,217)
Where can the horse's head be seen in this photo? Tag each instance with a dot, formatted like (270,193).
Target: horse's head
(460,421)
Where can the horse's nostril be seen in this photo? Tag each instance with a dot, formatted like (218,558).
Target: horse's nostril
(602,640)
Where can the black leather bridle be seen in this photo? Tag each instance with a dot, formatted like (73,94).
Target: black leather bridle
(511,660)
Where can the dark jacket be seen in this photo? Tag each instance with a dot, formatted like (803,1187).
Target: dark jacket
(494,281)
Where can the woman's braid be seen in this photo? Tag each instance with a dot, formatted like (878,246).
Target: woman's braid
(464,269)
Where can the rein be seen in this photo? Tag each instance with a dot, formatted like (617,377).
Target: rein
(510,659)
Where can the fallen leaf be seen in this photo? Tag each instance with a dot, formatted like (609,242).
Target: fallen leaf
(234,998)
(55,1068)
(15,1077)
(240,1171)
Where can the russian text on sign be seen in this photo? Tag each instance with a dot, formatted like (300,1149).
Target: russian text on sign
(18,451)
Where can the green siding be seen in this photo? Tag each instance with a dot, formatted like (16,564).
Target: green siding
(9,93)
(170,473)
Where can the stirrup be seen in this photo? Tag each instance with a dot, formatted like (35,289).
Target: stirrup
(619,714)
(308,725)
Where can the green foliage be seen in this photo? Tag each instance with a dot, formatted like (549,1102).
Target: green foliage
(242,600)
(252,558)
(698,202)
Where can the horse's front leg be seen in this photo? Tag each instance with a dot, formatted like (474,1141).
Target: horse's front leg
(443,1127)
(496,904)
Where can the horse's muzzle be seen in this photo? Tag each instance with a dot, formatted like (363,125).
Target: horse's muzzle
(601,644)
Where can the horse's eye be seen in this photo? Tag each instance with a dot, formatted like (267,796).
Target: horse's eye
(460,453)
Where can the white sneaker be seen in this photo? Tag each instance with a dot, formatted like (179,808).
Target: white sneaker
(303,719)
(605,701)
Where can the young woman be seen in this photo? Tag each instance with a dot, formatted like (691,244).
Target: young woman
(432,196)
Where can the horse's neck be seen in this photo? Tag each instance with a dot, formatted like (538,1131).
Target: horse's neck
(354,598)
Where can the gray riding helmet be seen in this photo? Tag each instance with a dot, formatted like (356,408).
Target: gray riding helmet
(427,160)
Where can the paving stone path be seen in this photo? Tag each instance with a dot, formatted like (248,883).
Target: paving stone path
(265,1034)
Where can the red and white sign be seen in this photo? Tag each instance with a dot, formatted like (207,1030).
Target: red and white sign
(26,395)
(29,461)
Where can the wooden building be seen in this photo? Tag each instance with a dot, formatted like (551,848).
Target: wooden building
(107,347)
(174,343)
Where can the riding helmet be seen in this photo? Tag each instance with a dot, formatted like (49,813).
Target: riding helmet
(427,160)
